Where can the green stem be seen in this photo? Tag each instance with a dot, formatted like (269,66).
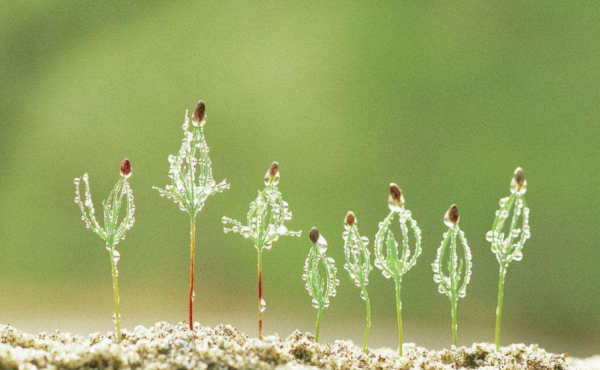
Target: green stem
(318,324)
(499,308)
(260,308)
(399,316)
(454,322)
(192,258)
(368,327)
(115,291)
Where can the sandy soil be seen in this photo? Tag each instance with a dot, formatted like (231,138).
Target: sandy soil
(165,346)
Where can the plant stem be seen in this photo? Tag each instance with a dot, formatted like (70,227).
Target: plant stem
(192,258)
(260,298)
(499,308)
(454,322)
(399,316)
(113,266)
(368,327)
(318,324)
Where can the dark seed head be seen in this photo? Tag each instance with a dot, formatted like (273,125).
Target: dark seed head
(395,193)
(200,111)
(273,170)
(350,219)
(125,167)
(313,235)
(453,215)
(519,177)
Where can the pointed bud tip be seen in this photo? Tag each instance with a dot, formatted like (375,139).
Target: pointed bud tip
(453,215)
(313,235)
(396,194)
(125,167)
(519,177)
(273,171)
(200,111)
(350,218)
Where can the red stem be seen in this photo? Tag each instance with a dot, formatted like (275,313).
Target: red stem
(260,323)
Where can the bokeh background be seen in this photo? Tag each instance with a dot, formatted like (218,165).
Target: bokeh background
(445,98)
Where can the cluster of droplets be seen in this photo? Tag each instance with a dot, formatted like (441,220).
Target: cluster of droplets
(392,261)
(358,258)
(320,273)
(266,217)
(115,226)
(511,229)
(453,283)
(190,171)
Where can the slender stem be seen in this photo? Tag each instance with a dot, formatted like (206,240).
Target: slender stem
(260,298)
(368,327)
(454,321)
(113,266)
(192,258)
(318,324)
(399,316)
(499,308)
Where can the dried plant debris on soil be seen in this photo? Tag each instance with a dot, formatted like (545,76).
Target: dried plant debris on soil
(166,346)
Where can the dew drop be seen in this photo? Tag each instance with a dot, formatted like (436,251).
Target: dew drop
(322,244)
(114,318)
(263,305)
(275,179)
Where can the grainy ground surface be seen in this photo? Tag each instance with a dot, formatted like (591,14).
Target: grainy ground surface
(166,346)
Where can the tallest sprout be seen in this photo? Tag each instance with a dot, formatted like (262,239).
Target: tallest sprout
(509,233)
(192,182)
(392,261)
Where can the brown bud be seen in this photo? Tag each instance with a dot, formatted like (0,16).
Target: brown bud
(125,167)
(396,194)
(313,235)
(350,219)
(273,170)
(519,177)
(200,111)
(453,215)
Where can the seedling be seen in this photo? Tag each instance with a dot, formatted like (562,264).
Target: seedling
(264,225)
(320,276)
(453,283)
(508,246)
(115,227)
(192,182)
(358,264)
(392,262)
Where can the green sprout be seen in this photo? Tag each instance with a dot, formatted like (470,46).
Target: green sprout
(192,182)
(115,226)
(264,225)
(454,283)
(508,246)
(392,262)
(358,264)
(320,287)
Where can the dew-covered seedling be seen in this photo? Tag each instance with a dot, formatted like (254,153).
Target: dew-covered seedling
(192,182)
(453,275)
(509,233)
(265,223)
(389,258)
(358,264)
(320,275)
(116,222)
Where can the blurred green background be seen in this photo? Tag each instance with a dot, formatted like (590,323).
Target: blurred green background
(444,98)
